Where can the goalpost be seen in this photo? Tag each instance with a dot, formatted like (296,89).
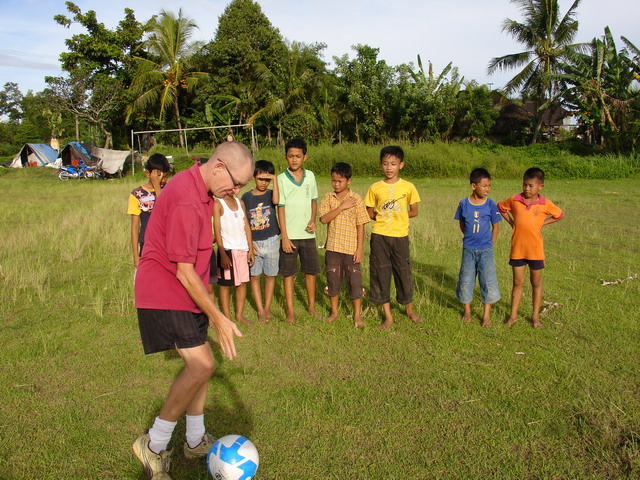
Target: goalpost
(254,143)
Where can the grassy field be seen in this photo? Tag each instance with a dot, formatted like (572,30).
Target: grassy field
(441,399)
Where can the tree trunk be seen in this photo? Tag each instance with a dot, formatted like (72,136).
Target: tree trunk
(177,113)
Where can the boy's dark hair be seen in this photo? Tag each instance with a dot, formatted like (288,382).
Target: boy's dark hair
(157,161)
(534,172)
(393,151)
(263,166)
(296,143)
(343,169)
(478,174)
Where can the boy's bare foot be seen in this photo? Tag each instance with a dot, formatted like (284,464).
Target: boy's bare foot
(510,321)
(536,323)
(486,322)
(290,319)
(262,317)
(314,313)
(386,324)
(359,323)
(269,315)
(242,319)
(466,318)
(414,317)
(331,317)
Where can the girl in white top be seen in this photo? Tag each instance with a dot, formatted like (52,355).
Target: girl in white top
(233,236)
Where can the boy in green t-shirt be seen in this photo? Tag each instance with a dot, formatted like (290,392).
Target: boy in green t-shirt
(297,211)
(390,203)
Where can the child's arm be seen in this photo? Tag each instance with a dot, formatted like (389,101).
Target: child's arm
(135,233)
(348,202)
(287,246)
(413,210)
(217,213)
(247,232)
(275,194)
(495,229)
(549,220)
(507,216)
(357,257)
(372,213)
(311,226)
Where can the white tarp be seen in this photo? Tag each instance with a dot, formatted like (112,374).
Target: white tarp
(111,161)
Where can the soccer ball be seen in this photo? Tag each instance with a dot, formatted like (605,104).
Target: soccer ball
(233,457)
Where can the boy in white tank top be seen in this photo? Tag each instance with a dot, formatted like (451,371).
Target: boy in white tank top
(233,236)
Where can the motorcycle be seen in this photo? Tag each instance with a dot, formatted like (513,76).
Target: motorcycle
(81,171)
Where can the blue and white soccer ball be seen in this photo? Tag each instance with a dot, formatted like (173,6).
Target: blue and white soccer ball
(233,457)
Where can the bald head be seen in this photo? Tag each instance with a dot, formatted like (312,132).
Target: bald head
(230,167)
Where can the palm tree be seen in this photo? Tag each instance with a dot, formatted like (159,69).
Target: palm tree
(161,78)
(547,38)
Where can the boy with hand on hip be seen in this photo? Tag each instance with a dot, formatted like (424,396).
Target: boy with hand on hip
(527,213)
(345,215)
(233,236)
(478,216)
(390,203)
(297,211)
(260,207)
(143,198)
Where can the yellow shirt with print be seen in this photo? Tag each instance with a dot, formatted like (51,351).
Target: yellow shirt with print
(391,203)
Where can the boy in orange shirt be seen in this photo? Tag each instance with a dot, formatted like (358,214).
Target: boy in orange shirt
(527,213)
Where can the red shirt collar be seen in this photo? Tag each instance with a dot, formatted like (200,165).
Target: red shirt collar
(539,201)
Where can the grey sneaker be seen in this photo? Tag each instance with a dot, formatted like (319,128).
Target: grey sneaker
(199,450)
(155,465)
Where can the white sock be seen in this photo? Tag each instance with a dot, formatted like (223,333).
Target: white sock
(160,434)
(195,430)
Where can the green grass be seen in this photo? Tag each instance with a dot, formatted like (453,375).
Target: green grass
(437,400)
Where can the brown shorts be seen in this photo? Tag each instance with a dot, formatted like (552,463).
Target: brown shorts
(168,329)
(307,250)
(340,265)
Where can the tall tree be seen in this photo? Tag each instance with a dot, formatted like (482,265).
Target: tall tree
(160,79)
(547,37)
(10,102)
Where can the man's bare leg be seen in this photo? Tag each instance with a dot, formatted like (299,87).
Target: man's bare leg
(535,277)
(188,392)
(516,294)
(288,296)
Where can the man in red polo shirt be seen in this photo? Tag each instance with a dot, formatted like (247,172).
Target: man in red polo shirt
(174,307)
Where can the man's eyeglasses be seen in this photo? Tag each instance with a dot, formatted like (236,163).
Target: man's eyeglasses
(236,184)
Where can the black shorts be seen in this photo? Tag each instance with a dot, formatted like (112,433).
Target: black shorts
(168,329)
(307,250)
(213,269)
(521,262)
(390,258)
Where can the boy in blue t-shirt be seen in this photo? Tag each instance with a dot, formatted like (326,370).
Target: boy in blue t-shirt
(260,207)
(478,216)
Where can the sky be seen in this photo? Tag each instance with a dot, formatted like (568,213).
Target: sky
(465,32)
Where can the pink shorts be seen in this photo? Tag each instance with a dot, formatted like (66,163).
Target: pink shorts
(239,271)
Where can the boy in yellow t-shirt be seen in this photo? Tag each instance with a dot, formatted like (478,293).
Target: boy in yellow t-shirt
(390,203)
(527,213)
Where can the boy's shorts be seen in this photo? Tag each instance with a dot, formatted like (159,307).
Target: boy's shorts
(213,269)
(338,266)
(390,256)
(267,257)
(521,262)
(306,248)
(239,271)
(478,263)
(168,329)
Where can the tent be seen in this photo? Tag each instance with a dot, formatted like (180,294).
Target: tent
(73,152)
(34,155)
(111,161)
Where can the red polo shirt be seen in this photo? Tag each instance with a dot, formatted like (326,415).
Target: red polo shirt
(179,230)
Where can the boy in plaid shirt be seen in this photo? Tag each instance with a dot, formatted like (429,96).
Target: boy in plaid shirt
(345,215)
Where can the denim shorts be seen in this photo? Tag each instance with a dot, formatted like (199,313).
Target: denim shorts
(478,263)
(267,254)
